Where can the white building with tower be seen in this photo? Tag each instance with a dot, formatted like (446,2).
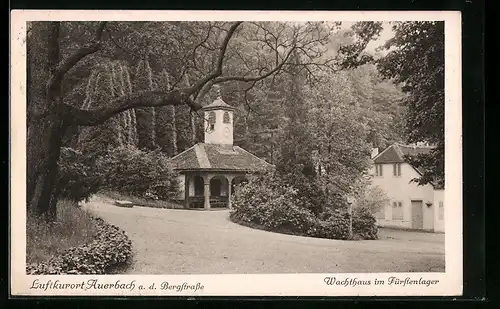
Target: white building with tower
(209,171)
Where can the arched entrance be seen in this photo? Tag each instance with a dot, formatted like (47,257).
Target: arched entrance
(219,191)
(198,185)
(195,188)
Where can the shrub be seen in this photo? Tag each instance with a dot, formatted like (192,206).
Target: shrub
(110,248)
(78,178)
(308,189)
(136,172)
(364,223)
(332,224)
(269,203)
(264,202)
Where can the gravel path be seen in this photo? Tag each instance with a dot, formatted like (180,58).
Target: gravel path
(205,242)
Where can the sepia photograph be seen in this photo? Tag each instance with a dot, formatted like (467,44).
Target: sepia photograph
(245,146)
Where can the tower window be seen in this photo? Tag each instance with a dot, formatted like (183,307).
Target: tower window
(226,118)
(211,120)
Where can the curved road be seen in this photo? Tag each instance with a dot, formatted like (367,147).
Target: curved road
(170,241)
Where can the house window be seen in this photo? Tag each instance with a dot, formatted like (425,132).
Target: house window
(396,169)
(211,120)
(378,170)
(397,211)
(226,118)
(441,211)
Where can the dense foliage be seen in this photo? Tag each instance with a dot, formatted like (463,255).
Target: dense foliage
(268,203)
(100,69)
(364,223)
(106,82)
(124,169)
(416,60)
(138,172)
(332,224)
(78,176)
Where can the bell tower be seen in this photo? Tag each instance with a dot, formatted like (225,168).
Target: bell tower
(218,121)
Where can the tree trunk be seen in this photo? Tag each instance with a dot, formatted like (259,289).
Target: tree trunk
(173,131)
(43,150)
(193,128)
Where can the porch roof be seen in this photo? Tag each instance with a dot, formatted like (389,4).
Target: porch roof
(218,157)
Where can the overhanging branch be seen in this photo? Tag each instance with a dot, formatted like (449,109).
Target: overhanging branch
(220,59)
(69,62)
(221,79)
(77,116)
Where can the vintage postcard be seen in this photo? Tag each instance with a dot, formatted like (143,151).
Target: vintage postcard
(235,153)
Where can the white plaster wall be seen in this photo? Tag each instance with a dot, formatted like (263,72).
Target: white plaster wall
(191,186)
(218,136)
(438,197)
(181,179)
(399,188)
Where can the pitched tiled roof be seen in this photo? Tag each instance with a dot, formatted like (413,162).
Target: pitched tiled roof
(389,155)
(396,154)
(218,157)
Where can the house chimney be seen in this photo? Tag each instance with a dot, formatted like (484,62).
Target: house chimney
(374,152)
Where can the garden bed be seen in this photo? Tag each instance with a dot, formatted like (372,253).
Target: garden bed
(100,249)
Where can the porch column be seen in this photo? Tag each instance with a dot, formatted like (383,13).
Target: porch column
(186,190)
(229,190)
(206,191)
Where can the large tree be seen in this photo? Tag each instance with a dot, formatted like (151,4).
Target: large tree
(416,60)
(204,60)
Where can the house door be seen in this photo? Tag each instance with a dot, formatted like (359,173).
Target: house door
(417,215)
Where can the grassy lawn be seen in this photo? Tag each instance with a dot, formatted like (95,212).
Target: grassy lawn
(139,201)
(73,227)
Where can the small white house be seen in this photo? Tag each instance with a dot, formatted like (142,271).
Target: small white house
(410,205)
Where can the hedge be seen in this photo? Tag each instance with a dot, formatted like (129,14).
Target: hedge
(269,203)
(110,249)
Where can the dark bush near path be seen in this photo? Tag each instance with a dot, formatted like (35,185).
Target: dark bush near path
(266,203)
(139,173)
(272,205)
(332,224)
(364,224)
(78,178)
(100,252)
(128,170)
